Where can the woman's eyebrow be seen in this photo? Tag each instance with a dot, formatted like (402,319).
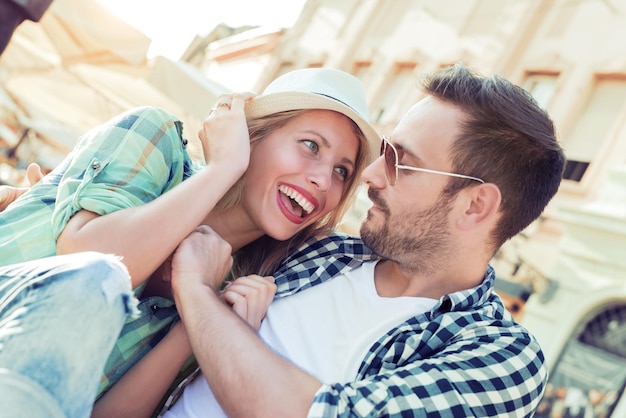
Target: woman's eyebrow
(348,162)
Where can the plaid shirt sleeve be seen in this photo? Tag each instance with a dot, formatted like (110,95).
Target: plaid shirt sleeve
(464,358)
(123,163)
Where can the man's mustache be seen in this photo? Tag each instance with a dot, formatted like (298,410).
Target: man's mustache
(378,201)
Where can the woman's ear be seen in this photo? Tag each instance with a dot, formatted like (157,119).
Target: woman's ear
(481,205)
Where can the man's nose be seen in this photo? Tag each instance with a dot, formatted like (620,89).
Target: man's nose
(374,173)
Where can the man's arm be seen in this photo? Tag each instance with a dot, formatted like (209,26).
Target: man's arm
(478,373)
(247,378)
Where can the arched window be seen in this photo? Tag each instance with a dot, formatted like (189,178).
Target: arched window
(590,376)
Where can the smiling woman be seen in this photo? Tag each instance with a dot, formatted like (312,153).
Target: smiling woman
(280,168)
(194,17)
(319,143)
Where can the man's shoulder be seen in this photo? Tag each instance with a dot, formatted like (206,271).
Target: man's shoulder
(336,244)
(319,259)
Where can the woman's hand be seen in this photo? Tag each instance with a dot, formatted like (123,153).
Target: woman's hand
(8,194)
(224,133)
(250,297)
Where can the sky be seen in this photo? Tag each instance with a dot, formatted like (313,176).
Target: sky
(172,24)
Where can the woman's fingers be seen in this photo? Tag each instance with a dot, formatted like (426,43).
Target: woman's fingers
(238,100)
(250,297)
(224,133)
(234,101)
(238,304)
(10,193)
(253,284)
(33,173)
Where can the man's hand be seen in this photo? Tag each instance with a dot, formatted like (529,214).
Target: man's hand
(250,297)
(201,258)
(8,194)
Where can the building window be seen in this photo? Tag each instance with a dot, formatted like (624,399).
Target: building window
(541,86)
(587,138)
(574,170)
(401,80)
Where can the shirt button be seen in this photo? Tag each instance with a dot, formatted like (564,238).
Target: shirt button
(95,165)
(155,307)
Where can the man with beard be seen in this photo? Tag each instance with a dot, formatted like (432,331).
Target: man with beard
(411,327)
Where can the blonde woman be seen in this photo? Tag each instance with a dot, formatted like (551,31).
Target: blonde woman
(280,167)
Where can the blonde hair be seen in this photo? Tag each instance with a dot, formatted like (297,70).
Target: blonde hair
(264,255)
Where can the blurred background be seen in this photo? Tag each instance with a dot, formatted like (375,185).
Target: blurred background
(564,277)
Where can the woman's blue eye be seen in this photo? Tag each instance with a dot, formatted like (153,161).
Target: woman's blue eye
(343,172)
(312,145)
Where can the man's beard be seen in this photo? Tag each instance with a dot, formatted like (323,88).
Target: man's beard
(416,239)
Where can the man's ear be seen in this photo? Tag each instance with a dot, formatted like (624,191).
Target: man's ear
(481,205)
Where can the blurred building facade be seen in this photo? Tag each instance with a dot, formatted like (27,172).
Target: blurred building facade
(565,276)
(78,67)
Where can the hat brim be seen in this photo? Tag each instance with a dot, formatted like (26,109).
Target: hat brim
(281,102)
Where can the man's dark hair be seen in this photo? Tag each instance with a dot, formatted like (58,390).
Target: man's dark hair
(506,139)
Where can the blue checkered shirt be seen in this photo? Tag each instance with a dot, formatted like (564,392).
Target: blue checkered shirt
(466,357)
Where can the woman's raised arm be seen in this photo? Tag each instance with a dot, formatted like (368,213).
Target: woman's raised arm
(146,235)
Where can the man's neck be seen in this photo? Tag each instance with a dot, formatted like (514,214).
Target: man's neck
(392,280)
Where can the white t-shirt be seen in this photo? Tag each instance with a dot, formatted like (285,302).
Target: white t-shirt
(325,330)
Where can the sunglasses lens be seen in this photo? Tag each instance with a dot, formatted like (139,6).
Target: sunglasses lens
(390,162)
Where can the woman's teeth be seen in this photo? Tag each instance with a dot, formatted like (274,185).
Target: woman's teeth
(306,206)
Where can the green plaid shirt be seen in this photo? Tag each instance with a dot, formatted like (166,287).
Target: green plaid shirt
(123,163)
(139,335)
(126,162)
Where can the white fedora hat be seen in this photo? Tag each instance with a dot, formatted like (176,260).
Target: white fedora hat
(318,88)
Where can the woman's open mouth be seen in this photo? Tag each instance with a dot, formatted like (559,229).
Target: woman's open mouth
(295,206)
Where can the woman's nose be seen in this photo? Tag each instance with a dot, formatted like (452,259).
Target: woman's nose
(321,177)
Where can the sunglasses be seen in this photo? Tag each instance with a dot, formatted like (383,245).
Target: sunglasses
(391,165)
